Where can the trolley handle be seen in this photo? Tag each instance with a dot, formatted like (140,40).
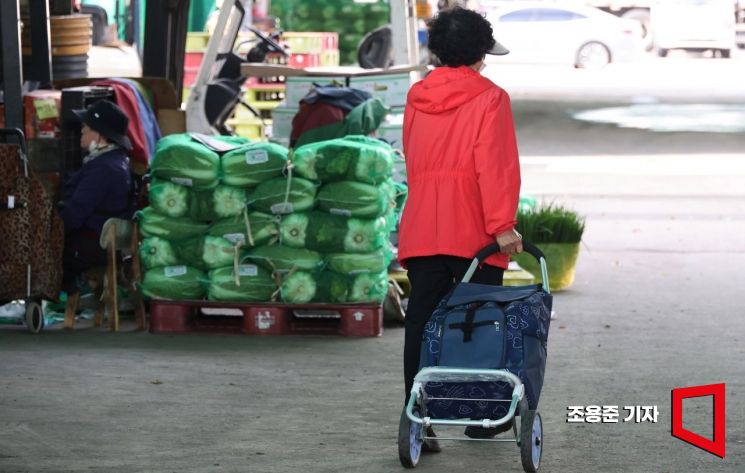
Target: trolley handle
(18,134)
(493,248)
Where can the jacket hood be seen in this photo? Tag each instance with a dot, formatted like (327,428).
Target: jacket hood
(447,88)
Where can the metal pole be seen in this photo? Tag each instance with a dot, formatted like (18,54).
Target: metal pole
(10,39)
(41,58)
(403,24)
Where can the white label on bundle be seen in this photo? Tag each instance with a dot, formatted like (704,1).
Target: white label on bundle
(235,238)
(11,201)
(282,208)
(173,271)
(248,270)
(182,181)
(257,156)
(342,212)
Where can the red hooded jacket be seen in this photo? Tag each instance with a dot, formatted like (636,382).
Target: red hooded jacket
(462,166)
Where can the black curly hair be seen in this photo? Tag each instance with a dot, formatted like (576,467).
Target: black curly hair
(459,37)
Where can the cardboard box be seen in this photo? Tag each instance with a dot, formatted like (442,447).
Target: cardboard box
(391,89)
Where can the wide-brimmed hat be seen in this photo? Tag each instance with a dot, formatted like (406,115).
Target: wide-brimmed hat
(109,120)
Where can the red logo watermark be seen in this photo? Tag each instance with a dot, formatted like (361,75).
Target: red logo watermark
(716,446)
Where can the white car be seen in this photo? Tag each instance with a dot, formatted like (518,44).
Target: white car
(693,25)
(548,32)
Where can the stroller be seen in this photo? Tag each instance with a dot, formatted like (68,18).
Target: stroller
(483,358)
(32,233)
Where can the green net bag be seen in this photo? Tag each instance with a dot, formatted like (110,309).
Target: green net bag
(249,229)
(173,282)
(283,258)
(331,288)
(253,164)
(154,224)
(155,251)
(368,287)
(169,199)
(353,264)
(275,197)
(356,159)
(180,159)
(356,199)
(332,233)
(249,283)
(298,287)
(221,202)
(208,252)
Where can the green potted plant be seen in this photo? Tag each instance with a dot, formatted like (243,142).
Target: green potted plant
(557,231)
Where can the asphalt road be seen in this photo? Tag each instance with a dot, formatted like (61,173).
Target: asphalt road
(656,305)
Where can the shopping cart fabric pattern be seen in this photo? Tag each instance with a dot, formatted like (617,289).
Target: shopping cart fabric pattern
(492,327)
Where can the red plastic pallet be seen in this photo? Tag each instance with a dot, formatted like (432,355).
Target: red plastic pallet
(351,320)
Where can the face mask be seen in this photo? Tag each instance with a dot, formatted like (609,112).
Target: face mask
(93,146)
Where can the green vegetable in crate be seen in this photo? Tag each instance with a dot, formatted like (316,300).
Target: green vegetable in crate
(260,229)
(180,159)
(273,197)
(154,224)
(355,199)
(368,287)
(283,258)
(168,198)
(331,288)
(346,263)
(253,164)
(298,287)
(174,282)
(253,284)
(344,159)
(155,251)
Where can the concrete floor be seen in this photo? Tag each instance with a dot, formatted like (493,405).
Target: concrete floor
(657,304)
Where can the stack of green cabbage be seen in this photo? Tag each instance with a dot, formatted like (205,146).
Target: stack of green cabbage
(348,235)
(200,222)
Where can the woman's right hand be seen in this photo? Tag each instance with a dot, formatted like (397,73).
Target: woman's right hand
(510,242)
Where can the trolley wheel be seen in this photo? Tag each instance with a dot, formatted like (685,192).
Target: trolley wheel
(531,440)
(34,317)
(409,441)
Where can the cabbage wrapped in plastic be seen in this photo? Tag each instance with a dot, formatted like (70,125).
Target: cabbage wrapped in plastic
(155,251)
(350,158)
(283,258)
(169,199)
(273,197)
(298,287)
(355,199)
(180,159)
(352,264)
(368,287)
(220,202)
(331,288)
(332,233)
(174,282)
(253,164)
(153,223)
(208,252)
(260,229)
(254,284)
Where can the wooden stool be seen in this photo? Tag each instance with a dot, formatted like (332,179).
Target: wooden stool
(117,233)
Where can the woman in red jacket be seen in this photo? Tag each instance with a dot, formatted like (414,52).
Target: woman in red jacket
(463,174)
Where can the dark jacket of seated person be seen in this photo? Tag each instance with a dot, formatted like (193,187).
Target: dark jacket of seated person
(101,189)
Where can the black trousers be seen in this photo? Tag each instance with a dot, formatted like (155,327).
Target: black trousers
(431,278)
(82,252)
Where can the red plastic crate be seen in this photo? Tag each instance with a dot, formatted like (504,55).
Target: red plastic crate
(193,59)
(304,60)
(352,320)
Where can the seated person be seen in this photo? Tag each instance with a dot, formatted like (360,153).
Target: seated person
(101,189)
